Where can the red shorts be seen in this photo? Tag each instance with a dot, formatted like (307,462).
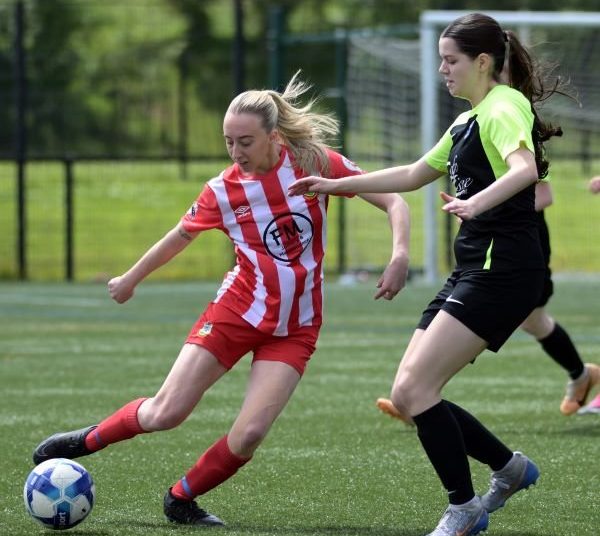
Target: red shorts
(229,337)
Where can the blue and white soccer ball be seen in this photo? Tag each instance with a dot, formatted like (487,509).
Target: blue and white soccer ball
(59,493)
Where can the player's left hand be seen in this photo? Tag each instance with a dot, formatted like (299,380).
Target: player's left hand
(393,279)
(464,209)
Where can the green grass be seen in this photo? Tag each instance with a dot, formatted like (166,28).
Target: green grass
(122,208)
(332,465)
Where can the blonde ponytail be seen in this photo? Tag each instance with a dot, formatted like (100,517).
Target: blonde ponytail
(303,131)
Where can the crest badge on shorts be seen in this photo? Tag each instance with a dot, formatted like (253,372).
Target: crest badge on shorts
(205,329)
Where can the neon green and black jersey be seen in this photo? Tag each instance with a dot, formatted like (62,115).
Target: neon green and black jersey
(473,153)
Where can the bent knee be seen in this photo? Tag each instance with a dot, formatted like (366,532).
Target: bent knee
(532,325)
(412,397)
(161,416)
(402,396)
(539,324)
(246,440)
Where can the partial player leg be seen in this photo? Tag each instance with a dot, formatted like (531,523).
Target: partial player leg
(421,376)
(429,363)
(593,408)
(270,387)
(385,404)
(558,345)
(579,389)
(194,371)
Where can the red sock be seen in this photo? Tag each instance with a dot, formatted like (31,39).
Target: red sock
(215,466)
(122,424)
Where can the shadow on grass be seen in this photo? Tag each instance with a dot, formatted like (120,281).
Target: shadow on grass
(589,428)
(328,530)
(324,530)
(86,532)
(355,531)
(281,531)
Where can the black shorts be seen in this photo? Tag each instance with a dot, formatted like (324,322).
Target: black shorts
(490,304)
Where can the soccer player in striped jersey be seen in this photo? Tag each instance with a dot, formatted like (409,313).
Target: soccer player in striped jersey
(494,156)
(270,303)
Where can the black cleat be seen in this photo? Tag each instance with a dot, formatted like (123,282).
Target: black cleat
(64,445)
(188,512)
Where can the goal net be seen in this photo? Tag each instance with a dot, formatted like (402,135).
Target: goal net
(398,107)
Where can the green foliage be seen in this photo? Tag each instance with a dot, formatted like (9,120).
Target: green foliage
(118,78)
(331,465)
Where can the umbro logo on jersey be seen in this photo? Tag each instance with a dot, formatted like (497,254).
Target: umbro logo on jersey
(242,211)
(193,210)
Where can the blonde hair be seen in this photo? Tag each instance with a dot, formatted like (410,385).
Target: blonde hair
(303,131)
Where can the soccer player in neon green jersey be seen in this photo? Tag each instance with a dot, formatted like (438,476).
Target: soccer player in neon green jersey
(494,156)
(552,337)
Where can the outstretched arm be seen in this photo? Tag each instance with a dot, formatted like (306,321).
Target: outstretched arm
(521,173)
(121,288)
(395,274)
(395,179)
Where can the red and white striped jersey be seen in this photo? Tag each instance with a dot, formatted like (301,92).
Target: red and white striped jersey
(277,282)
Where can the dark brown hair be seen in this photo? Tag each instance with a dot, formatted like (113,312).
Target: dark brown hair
(476,34)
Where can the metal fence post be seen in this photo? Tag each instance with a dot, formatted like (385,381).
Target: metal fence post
(239,50)
(341,53)
(20,89)
(182,113)
(274,43)
(69,231)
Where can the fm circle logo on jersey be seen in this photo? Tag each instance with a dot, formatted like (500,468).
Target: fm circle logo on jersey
(287,236)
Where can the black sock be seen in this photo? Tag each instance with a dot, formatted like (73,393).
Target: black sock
(558,346)
(442,440)
(480,443)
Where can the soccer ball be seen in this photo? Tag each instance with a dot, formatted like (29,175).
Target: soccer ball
(59,493)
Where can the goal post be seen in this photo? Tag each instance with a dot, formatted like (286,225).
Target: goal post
(534,27)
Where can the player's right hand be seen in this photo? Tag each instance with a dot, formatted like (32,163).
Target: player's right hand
(119,289)
(310,185)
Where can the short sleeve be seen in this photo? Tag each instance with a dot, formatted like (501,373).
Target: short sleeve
(340,166)
(204,214)
(510,126)
(437,156)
